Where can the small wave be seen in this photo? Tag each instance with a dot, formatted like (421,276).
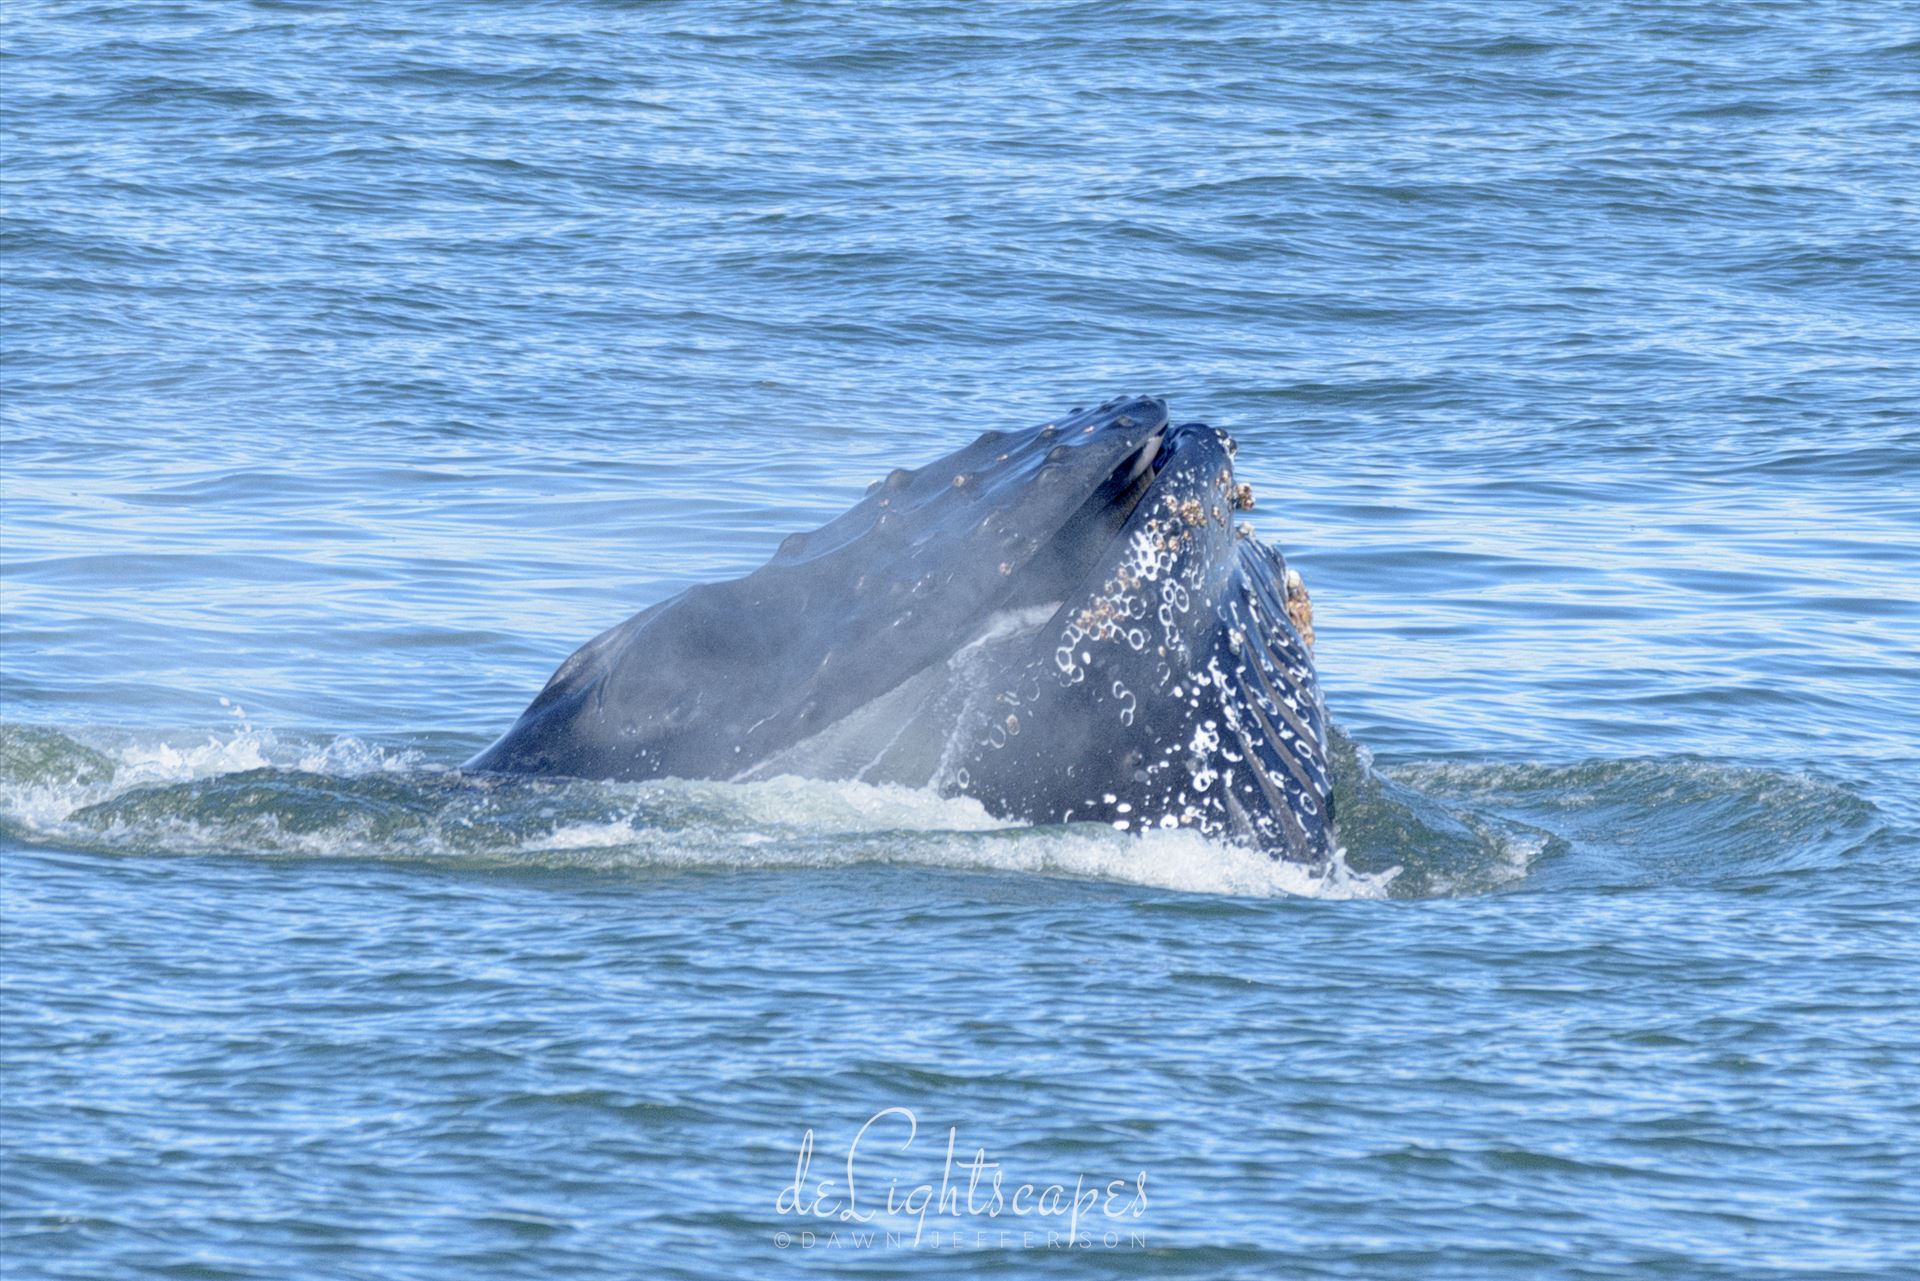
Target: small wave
(1436,849)
(1646,821)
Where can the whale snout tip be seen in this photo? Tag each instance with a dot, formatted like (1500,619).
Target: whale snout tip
(1123,413)
(1137,411)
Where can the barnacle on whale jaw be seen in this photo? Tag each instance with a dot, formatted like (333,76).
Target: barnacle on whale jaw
(1299,606)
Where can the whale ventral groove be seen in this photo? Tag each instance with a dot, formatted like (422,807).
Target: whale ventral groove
(1066,623)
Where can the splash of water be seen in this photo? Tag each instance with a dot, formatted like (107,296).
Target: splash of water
(1420,830)
(249,793)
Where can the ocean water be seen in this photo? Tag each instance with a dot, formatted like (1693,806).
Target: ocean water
(361,361)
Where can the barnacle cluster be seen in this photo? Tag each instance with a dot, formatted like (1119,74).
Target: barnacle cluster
(1300,607)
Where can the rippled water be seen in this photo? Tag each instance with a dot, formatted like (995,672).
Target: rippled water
(362,361)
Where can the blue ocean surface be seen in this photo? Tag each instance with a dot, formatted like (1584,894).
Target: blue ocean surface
(361,361)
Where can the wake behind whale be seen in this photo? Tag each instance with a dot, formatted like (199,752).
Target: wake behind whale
(1065,624)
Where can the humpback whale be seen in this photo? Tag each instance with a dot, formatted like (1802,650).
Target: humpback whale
(1067,623)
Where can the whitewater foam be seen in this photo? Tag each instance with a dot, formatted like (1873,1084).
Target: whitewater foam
(249,793)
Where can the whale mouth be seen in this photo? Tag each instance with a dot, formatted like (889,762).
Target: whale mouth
(1085,537)
(1102,518)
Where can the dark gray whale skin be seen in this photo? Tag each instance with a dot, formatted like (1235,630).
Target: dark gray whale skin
(1064,623)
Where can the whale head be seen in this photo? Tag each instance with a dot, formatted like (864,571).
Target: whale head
(1067,623)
